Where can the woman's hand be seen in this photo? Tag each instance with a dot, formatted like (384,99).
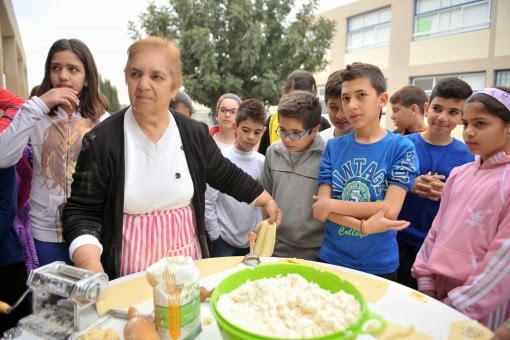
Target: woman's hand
(62,96)
(272,212)
(378,223)
(502,332)
(321,208)
(269,207)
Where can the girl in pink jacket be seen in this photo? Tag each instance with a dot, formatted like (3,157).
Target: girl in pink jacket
(465,259)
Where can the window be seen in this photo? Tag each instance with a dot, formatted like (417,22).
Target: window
(369,30)
(321,91)
(503,78)
(441,17)
(327,55)
(475,80)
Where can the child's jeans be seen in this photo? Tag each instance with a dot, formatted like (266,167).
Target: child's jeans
(407,254)
(49,252)
(220,248)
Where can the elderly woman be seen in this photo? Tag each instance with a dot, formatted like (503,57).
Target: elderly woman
(140,179)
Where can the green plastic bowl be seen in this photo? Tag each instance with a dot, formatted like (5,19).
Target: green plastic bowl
(368,321)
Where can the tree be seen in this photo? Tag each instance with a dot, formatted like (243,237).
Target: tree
(110,92)
(247,47)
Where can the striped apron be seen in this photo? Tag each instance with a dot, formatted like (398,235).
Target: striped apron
(147,238)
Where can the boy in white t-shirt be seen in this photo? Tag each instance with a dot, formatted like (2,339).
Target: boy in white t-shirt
(228,221)
(333,100)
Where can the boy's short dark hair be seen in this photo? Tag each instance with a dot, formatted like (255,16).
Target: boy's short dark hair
(251,109)
(300,80)
(409,95)
(333,86)
(371,72)
(301,105)
(451,88)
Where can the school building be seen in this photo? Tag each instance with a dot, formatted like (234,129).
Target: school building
(422,41)
(13,64)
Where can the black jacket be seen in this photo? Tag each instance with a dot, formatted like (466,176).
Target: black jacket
(96,203)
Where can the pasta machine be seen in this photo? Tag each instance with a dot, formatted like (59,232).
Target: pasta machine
(63,301)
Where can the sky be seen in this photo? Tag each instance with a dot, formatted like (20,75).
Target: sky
(100,24)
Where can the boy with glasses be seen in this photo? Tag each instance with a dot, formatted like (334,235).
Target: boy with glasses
(290,175)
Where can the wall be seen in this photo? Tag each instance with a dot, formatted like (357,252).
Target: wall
(485,50)
(13,70)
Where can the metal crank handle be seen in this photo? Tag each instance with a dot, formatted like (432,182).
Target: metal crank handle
(6,309)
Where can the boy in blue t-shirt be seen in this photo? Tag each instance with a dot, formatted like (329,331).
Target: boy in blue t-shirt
(364,175)
(438,153)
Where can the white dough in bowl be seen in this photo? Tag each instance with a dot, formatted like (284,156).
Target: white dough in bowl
(288,307)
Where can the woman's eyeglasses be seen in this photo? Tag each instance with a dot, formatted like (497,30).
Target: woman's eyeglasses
(224,111)
(292,136)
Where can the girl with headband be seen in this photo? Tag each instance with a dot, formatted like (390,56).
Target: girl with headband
(465,259)
(226,110)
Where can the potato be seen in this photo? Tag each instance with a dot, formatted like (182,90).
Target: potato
(139,327)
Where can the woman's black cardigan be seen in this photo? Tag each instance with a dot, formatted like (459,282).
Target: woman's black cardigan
(96,203)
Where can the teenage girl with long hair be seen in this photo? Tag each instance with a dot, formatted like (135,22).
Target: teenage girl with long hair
(68,104)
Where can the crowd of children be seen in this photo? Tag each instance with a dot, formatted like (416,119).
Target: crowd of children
(418,206)
(376,194)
